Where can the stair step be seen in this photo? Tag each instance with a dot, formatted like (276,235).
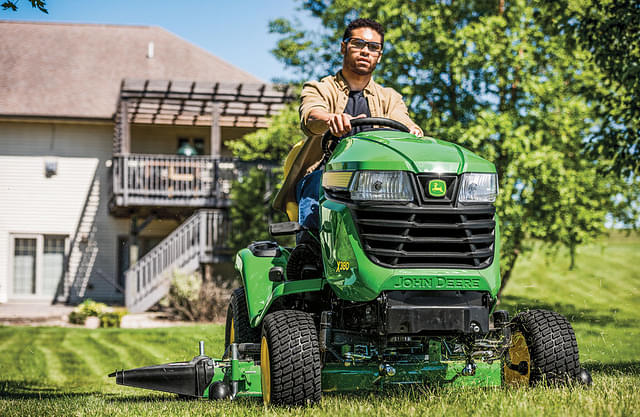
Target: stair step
(184,250)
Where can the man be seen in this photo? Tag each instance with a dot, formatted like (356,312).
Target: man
(331,104)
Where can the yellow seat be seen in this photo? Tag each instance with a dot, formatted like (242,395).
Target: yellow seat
(291,207)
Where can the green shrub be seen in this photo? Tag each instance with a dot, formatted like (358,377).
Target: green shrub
(77,317)
(112,318)
(193,298)
(90,308)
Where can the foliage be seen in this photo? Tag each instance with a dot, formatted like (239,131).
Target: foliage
(610,31)
(89,308)
(497,78)
(193,298)
(112,318)
(62,371)
(271,144)
(36,4)
(253,191)
(251,209)
(77,318)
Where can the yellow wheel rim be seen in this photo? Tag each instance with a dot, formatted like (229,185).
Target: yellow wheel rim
(265,370)
(232,332)
(518,352)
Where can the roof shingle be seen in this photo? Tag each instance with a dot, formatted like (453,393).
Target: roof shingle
(75,70)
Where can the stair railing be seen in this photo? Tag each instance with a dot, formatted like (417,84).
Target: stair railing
(199,240)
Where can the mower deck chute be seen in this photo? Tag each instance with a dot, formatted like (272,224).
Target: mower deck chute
(185,378)
(202,376)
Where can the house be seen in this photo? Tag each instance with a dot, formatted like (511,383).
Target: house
(113,164)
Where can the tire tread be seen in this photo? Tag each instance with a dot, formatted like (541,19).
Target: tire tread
(552,346)
(295,357)
(244,333)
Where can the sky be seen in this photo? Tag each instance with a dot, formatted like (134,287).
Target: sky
(236,31)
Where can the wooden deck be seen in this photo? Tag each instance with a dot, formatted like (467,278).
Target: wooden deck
(172,181)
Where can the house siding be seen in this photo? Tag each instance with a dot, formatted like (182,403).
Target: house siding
(163,139)
(73,202)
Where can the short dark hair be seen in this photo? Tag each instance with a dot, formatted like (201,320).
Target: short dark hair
(363,23)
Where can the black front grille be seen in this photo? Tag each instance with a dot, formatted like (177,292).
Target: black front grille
(427,237)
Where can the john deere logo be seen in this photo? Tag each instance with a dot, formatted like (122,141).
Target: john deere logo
(437,188)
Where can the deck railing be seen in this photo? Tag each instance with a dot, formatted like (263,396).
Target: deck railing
(171,180)
(200,239)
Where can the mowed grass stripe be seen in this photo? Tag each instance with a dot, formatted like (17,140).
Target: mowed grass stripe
(22,359)
(164,345)
(64,364)
(145,350)
(104,356)
(78,342)
(7,337)
(130,355)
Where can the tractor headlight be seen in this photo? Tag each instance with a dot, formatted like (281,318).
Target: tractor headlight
(478,188)
(381,186)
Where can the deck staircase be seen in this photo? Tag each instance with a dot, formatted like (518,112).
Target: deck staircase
(199,240)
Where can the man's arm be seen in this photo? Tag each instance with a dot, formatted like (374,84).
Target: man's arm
(312,100)
(315,117)
(338,123)
(398,111)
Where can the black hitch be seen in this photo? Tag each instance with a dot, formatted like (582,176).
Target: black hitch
(184,378)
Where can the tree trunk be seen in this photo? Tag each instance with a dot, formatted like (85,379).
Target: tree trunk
(572,255)
(507,273)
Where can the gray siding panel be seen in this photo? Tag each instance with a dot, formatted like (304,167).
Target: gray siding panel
(73,202)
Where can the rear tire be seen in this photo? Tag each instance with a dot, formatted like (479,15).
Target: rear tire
(290,359)
(238,320)
(552,346)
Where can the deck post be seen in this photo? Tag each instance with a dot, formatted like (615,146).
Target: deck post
(125,129)
(216,134)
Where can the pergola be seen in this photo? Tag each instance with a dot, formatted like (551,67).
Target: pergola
(191,103)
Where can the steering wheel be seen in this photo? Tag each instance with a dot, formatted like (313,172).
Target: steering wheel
(329,141)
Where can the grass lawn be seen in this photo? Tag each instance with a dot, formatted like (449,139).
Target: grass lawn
(62,371)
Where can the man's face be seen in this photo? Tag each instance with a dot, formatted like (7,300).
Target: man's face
(361,61)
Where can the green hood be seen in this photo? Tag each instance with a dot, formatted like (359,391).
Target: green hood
(391,150)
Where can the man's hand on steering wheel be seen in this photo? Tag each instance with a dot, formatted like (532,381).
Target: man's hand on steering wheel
(329,140)
(415,130)
(340,123)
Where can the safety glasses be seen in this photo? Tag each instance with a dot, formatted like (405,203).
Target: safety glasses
(358,44)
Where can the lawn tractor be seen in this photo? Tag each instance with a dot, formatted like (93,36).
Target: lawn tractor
(397,287)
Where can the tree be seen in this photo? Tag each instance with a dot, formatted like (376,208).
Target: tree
(610,31)
(273,143)
(253,192)
(36,4)
(250,211)
(493,77)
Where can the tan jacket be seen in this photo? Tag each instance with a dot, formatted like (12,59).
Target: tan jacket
(330,94)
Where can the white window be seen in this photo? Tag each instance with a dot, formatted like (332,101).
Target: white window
(24,266)
(38,265)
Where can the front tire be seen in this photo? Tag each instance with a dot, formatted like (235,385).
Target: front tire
(290,359)
(546,340)
(237,328)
